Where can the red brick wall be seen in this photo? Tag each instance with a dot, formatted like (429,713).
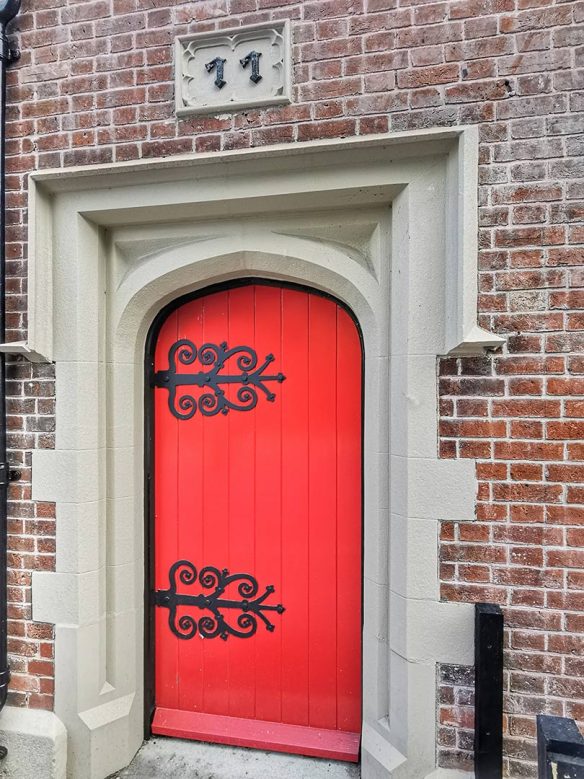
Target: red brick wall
(94,84)
(31,529)
(455,716)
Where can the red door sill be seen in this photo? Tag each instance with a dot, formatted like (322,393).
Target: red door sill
(257,734)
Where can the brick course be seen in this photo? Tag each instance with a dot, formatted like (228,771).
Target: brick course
(95,85)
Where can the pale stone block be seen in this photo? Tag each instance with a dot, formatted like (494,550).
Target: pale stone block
(122,531)
(399,485)
(383,460)
(66,598)
(67,476)
(375,652)
(120,581)
(433,489)
(414,406)
(80,282)
(78,548)
(124,656)
(120,468)
(377,748)
(412,723)
(375,614)
(120,421)
(427,630)
(80,671)
(44,474)
(421,719)
(442,489)
(426,280)
(376,546)
(107,713)
(112,742)
(414,557)
(78,405)
(36,742)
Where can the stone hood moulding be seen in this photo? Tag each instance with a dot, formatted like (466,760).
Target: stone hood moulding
(276,169)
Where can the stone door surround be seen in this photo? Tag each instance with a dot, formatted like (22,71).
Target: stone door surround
(387,224)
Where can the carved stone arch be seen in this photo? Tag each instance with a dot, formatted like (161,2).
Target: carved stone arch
(168,274)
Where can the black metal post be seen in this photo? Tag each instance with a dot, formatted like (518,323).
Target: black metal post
(560,748)
(8,10)
(488,691)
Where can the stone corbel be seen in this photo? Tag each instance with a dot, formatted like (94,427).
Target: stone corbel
(463,335)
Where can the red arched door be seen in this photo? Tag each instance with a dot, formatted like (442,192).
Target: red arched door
(257,521)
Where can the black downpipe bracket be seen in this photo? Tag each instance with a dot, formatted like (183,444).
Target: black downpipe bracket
(8,10)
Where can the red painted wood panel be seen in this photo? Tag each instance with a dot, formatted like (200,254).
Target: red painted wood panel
(276,736)
(275,492)
(295,515)
(268,497)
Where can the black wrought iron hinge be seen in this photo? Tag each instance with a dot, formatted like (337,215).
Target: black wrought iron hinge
(214,624)
(213,400)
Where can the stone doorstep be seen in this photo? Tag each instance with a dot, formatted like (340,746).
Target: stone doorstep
(166,758)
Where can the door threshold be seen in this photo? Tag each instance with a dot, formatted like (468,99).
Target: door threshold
(257,734)
(169,758)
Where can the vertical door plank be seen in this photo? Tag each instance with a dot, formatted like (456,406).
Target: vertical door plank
(294,622)
(268,475)
(322,623)
(215,511)
(349,530)
(189,474)
(240,483)
(165,513)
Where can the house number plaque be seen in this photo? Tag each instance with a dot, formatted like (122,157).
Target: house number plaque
(231,69)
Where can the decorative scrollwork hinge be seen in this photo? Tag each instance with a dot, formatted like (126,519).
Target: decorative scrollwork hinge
(214,624)
(213,399)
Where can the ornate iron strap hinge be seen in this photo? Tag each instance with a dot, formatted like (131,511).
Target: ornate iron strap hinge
(214,357)
(250,604)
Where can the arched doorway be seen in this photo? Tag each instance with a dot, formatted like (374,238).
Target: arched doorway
(254,462)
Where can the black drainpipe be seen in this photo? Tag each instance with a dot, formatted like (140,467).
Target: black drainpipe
(8,10)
